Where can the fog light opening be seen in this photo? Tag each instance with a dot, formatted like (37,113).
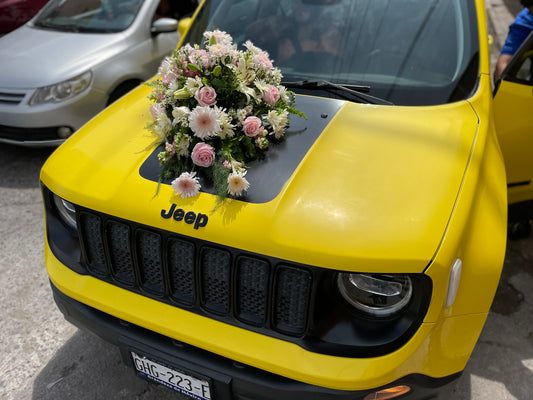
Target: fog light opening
(64,132)
(390,393)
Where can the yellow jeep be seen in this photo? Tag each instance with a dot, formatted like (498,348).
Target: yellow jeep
(361,262)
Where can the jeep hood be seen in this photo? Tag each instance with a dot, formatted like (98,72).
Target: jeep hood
(372,190)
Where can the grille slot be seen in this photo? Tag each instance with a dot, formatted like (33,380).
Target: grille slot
(223,283)
(292,291)
(181,265)
(214,270)
(252,290)
(118,236)
(91,228)
(11,98)
(149,258)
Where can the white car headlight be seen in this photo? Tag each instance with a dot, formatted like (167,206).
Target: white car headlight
(376,294)
(66,211)
(62,91)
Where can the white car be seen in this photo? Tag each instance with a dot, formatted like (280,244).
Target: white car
(73,59)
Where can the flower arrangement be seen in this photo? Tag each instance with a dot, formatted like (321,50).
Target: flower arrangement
(215,108)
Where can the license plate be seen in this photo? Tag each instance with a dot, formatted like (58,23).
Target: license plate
(177,380)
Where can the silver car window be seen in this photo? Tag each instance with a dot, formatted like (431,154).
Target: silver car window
(88,15)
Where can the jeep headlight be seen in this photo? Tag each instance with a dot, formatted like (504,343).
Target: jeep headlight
(66,211)
(379,295)
(62,91)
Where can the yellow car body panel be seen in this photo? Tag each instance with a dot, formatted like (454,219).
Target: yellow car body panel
(513,104)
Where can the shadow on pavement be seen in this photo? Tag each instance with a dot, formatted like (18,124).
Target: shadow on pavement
(86,367)
(20,166)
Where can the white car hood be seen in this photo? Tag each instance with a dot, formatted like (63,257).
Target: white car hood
(37,57)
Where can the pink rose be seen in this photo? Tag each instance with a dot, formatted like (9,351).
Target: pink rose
(271,95)
(251,126)
(206,96)
(203,155)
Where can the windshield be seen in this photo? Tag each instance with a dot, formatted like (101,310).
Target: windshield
(99,16)
(409,52)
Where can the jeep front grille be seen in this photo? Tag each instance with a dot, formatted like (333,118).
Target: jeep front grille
(237,287)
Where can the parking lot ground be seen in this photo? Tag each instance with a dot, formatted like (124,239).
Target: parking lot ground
(44,357)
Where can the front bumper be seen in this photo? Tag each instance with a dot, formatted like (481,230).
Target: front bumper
(230,379)
(38,125)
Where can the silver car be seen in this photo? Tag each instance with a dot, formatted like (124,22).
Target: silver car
(72,60)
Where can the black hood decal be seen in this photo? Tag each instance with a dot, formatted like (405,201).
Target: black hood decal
(268,175)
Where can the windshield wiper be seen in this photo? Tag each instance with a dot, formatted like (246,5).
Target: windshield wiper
(57,27)
(348,91)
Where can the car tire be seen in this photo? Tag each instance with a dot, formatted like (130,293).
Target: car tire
(518,230)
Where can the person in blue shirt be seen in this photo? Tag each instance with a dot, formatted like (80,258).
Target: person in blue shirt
(518,32)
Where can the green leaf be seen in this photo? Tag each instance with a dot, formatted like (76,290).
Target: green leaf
(220,180)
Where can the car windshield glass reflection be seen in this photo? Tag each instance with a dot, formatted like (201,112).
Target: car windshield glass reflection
(88,15)
(410,52)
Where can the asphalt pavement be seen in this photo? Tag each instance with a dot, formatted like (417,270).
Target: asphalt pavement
(44,357)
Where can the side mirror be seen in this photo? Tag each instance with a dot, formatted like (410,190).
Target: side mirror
(164,25)
(184,25)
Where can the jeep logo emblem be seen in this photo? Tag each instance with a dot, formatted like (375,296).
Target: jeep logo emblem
(199,220)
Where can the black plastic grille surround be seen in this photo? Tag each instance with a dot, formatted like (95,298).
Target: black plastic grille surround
(197,275)
(294,302)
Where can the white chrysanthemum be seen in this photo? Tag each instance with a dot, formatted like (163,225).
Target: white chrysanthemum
(166,67)
(162,125)
(173,87)
(254,49)
(261,85)
(274,76)
(204,122)
(181,114)
(193,85)
(186,185)
(283,94)
(226,127)
(278,121)
(182,145)
(220,37)
(237,183)
(219,50)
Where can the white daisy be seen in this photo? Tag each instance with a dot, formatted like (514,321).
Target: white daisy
(204,122)
(186,185)
(237,183)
